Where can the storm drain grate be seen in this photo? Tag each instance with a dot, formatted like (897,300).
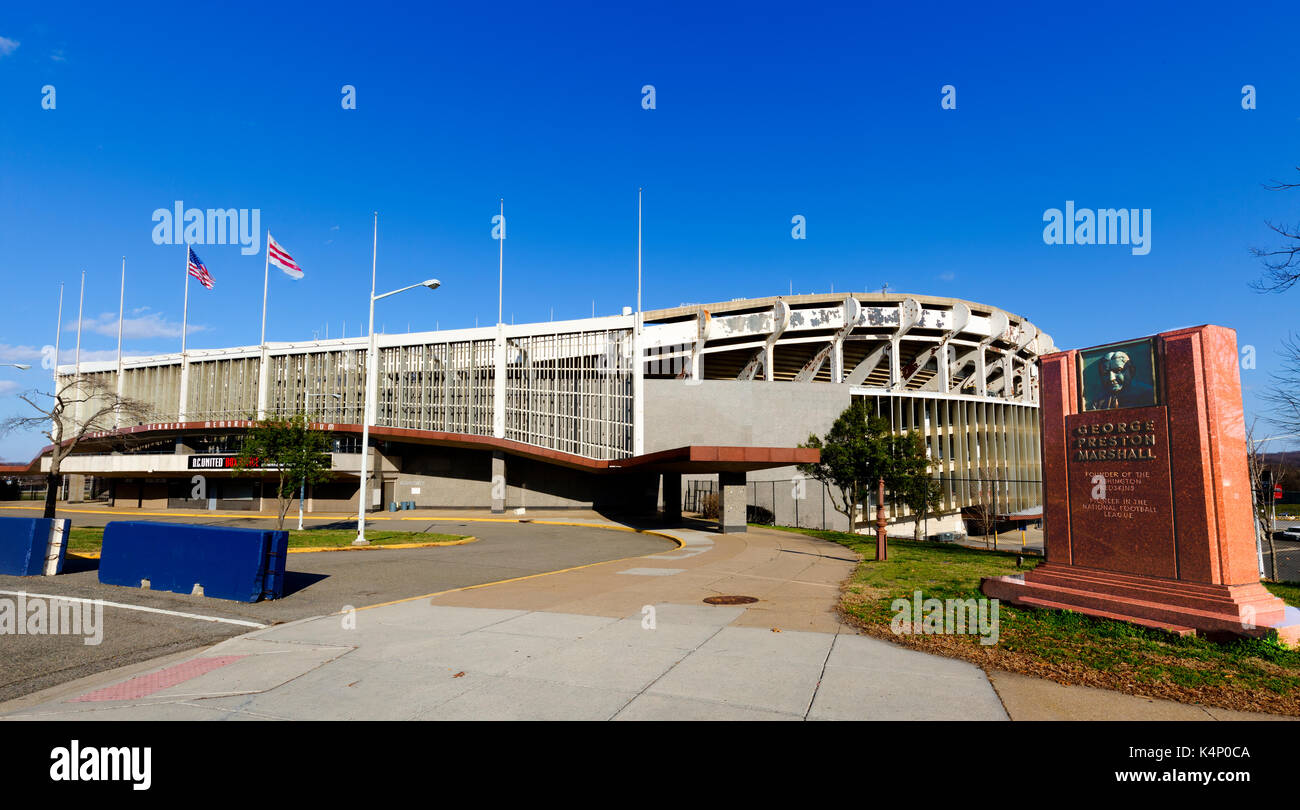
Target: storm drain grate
(730,600)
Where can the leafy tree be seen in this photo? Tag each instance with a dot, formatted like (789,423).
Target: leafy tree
(289,449)
(855,454)
(78,406)
(912,481)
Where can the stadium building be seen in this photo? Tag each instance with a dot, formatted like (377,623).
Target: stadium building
(560,414)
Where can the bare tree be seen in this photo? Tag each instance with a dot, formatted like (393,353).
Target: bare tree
(985,507)
(1281,264)
(78,407)
(1283,395)
(1258,465)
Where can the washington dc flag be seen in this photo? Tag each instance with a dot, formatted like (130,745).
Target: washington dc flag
(279,257)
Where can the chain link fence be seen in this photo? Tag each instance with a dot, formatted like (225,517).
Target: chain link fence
(808,503)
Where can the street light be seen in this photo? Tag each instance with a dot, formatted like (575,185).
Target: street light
(20,366)
(372,381)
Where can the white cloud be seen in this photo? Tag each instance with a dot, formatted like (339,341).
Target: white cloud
(7,46)
(18,354)
(151,325)
(947,276)
(35,356)
(57,55)
(8,387)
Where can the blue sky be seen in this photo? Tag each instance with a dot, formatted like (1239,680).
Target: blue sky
(762,113)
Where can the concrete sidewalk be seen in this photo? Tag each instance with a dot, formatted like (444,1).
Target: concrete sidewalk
(627,639)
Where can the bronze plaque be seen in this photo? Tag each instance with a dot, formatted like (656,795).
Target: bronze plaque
(1121,375)
(1121,497)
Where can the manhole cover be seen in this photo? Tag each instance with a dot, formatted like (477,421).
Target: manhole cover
(730,600)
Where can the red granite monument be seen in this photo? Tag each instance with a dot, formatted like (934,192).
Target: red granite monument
(1147,498)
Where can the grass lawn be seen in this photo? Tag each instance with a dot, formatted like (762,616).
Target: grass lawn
(90,539)
(1247,675)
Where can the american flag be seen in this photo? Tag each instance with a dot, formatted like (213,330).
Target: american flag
(281,258)
(198,270)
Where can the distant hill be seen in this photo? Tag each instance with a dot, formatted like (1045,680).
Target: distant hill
(1285,458)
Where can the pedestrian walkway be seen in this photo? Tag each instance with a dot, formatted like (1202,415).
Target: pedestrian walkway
(629,639)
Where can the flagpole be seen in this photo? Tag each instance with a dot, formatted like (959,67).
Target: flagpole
(638,362)
(121,316)
(121,313)
(501,254)
(185,311)
(266,274)
(80,308)
(638,258)
(58,330)
(76,362)
(499,355)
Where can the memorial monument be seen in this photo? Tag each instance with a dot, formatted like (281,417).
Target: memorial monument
(1147,506)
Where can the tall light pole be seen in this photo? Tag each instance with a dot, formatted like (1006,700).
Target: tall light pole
(372,380)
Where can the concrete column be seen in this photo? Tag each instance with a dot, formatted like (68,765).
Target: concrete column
(76,488)
(121,387)
(944,364)
(372,382)
(499,391)
(638,389)
(895,367)
(672,497)
(183,395)
(263,388)
(732,502)
(498,482)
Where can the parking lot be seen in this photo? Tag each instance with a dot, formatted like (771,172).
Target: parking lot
(145,624)
(1288,554)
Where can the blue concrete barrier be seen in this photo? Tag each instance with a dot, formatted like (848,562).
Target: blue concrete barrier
(244,565)
(32,547)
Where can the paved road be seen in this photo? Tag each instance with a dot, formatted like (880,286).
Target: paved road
(316,584)
(629,640)
(1288,558)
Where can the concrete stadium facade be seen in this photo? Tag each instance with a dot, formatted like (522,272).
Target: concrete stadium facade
(560,414)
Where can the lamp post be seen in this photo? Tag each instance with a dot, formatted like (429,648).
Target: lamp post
(19,366)
(372,380)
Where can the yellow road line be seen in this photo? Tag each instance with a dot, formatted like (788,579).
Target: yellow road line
(203,513)
(436,518)
(460,542)
(679,543)
(542,522)
(94,555)
(198,513)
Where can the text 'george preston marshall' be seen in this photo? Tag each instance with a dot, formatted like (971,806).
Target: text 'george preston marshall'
(1116,441)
